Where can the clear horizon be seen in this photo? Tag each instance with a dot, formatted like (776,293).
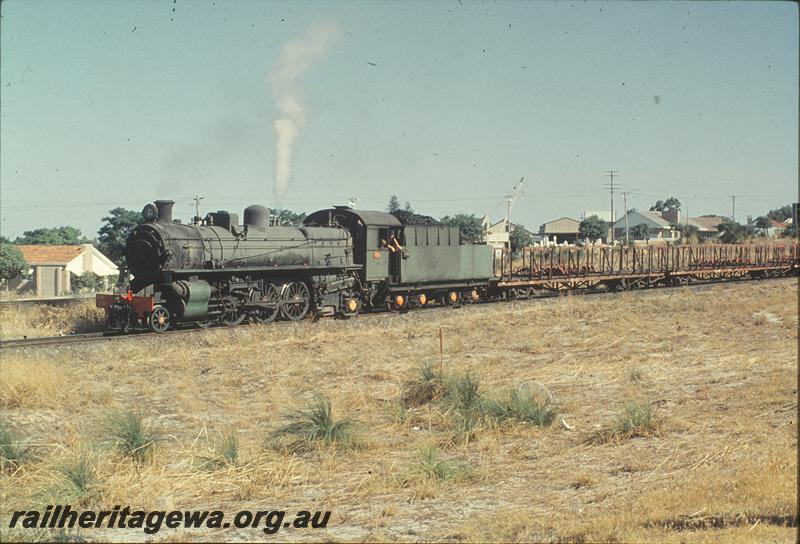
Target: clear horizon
(445,104)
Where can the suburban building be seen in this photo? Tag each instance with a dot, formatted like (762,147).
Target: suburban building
(51,267)
(658,228)
(708,225)
(496,234)
(776,228)
(564,229)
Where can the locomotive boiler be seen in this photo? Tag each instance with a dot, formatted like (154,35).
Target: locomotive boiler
(216,270)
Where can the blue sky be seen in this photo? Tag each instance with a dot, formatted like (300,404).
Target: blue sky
(446,104)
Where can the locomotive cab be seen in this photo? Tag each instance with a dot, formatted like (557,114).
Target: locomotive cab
(370,231)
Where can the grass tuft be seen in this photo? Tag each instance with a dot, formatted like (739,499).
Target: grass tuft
(463,393)
(12,453)
(637,419)
(522,405)
(80,476)
(430,466)
(635,375)
(224,451)
(428,387)
(130,434)
(316,424)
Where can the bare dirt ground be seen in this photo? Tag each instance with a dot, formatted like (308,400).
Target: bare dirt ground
(717,366)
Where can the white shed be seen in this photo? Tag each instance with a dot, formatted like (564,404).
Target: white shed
(51,267)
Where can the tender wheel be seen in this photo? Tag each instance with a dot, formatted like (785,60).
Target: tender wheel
(159,319)
(265,315)
(232,315)
(296,301)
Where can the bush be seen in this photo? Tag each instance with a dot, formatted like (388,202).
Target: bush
(316,424)
(86,282)
(130,434)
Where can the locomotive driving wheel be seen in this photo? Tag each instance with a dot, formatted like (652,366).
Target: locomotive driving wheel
(159,319)
(232,314)
(296,301)
(267,315)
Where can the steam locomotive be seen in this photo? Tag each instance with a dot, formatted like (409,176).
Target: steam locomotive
(215,270)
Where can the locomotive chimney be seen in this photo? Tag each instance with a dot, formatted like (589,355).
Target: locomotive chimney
(164,210)
(256,216)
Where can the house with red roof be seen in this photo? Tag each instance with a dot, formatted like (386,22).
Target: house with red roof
(52,268)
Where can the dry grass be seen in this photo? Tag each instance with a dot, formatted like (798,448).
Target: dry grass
(721,464)
(28,383)
(43,320)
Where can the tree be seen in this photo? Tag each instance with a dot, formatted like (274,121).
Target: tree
(667,205)
(781,214)
(393,205)
(411,218)
(733,232)
(66,236)
(639,232)
(593,228)
(114,232)
(469,227)
(408,207)
(689,233)
(288,217)
(763,223)
(12,262)
(520,238)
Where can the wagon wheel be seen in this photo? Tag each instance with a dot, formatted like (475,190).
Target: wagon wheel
(204,324)
(296,301)
(159,319)
(231,314)
(266,315)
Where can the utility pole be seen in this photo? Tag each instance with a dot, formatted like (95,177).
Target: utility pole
(733,212)
(611,186)
(510,202)
(625,204)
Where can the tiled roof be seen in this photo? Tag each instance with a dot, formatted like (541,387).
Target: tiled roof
(636,217)
(710,223)
(40,254)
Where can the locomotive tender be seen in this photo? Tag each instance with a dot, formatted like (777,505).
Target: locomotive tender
(215,270)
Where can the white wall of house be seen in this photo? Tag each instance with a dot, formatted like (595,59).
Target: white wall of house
(91,260)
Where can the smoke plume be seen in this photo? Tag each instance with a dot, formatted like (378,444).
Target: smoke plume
(295,59)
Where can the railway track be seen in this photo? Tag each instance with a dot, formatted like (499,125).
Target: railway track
(112,336)
(53,301)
